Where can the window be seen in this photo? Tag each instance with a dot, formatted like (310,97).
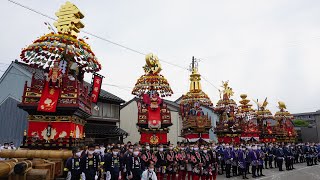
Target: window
(95,112)
(116,111)
(110,110)
(106,110)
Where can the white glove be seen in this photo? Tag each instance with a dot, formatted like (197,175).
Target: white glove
(96,177)
(83,176)
(231,159)
(108,175)
(68,176)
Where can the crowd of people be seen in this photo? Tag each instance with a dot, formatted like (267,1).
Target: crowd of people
(7,145)
(186,161)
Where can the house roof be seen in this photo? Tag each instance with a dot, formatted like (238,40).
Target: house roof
(307,113)
(104,129)
(105,95)
(39,74)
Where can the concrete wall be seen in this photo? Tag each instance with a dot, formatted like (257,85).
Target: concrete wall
(317,117)
(175,129)
(129,118)
(13,83)
(128,121)
(309,134)
(13,121)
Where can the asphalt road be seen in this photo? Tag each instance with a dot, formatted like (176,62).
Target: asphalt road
(301,172)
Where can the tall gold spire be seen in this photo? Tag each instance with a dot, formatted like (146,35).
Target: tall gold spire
(195,77)
(195,93)
(69,19)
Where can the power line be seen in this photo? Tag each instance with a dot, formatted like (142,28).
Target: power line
(21,5)
(96,36)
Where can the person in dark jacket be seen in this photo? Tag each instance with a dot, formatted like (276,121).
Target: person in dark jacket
(242,162)
(90,164)
(279,157)
(73,165)
(135,166)
(113,164)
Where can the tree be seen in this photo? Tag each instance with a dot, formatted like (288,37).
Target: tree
(300,123)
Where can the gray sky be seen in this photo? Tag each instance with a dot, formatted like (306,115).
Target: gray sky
(265,48)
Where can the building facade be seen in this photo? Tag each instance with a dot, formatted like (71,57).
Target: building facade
(129,119)
(129,116)
(311,133)
(101,127)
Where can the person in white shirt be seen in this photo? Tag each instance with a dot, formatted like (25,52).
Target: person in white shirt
(12,146)
(4,147)
(149,174)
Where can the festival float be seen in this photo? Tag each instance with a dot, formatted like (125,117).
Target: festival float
(58,103)
(228,129)
(154,117)
(285,131)
(266,122)
(57,100)
(247,119)
(195,123)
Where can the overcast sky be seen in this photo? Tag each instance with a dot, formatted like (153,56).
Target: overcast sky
(265,48)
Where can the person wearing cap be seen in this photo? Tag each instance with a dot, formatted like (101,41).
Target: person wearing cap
(161,163)
(90,163)
(113,165)
(149,174)
(135,165)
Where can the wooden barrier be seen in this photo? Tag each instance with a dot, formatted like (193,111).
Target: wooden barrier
(30,154)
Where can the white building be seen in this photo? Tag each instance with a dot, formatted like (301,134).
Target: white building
(129,119)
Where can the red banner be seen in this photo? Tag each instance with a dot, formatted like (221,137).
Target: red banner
(96,87)
(157,138)
(49,98)
(57,130)
(154,119)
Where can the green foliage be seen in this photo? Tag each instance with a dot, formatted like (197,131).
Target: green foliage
(300,123)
